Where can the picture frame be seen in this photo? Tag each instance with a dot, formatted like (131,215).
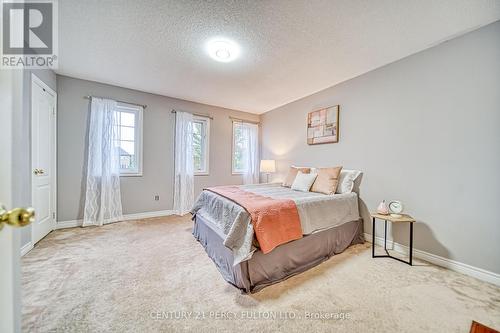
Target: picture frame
(323,125)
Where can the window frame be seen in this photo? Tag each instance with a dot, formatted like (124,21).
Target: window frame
(138,137)
(205,144)
(233,145)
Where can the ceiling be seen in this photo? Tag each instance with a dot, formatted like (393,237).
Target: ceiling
(289,48)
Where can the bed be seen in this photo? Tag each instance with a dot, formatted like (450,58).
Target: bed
(329,224)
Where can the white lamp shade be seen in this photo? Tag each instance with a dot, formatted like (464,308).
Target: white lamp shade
(267,166)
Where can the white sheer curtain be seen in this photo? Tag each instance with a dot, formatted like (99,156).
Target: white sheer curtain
(251,151)
(184,169)
(102,198)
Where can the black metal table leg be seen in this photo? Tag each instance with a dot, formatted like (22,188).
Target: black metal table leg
(385,235)
(411,243)
(373,238)
(387,255)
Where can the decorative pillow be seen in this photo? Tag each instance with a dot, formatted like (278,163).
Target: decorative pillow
(327,180)
(311,169)
(292,173)
(303,181)
(346,180)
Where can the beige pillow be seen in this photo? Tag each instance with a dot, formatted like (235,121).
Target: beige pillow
(327,180)
(292,173)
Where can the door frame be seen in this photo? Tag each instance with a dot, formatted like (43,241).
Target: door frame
(36,80)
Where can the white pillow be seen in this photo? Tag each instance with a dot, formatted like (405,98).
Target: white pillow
(303,181)
(346,180)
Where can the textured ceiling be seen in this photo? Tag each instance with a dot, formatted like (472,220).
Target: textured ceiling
(289,48)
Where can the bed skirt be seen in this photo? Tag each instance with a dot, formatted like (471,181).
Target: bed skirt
(283,262)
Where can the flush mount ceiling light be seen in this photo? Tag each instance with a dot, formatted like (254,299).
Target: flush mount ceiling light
(223,50)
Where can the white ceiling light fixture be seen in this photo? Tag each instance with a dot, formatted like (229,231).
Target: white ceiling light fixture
(223,50)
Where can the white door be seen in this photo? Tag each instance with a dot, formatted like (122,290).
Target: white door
(10,300)
(43,153)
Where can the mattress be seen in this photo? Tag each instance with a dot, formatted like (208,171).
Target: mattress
(317,212)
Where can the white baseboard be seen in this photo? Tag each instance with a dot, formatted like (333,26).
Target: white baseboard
(26,248)
(453,265)
(126,217)
(146,215)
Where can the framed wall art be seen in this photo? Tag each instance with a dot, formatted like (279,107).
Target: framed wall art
(323,126)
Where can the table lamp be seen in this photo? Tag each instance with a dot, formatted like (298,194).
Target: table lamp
(267,166)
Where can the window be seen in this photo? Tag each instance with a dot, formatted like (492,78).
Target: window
(239,145)
(201,136)
(129,138)
(245,148)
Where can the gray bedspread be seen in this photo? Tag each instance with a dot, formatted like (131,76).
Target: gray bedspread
(232,222)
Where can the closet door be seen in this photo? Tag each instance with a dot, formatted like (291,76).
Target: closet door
(43,153)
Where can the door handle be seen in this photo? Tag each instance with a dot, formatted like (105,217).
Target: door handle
(17,217)
(38,171)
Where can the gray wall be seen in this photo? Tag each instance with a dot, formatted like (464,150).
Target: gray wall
(22,139)
(424,130)
(137,192)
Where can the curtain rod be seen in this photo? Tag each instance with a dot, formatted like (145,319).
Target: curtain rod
(197,114)
(90,97)
(243,120)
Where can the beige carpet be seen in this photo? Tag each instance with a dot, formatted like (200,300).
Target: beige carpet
(135,276)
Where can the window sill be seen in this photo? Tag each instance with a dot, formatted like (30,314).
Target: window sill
(131,175)
(201,174)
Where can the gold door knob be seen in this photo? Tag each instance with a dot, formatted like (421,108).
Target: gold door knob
(17,217)
(39,172)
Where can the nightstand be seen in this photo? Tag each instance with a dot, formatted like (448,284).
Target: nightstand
(403,219)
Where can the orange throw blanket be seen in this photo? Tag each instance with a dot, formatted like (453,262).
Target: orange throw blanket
(275,221)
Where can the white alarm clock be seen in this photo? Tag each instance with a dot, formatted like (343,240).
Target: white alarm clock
(396,208)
